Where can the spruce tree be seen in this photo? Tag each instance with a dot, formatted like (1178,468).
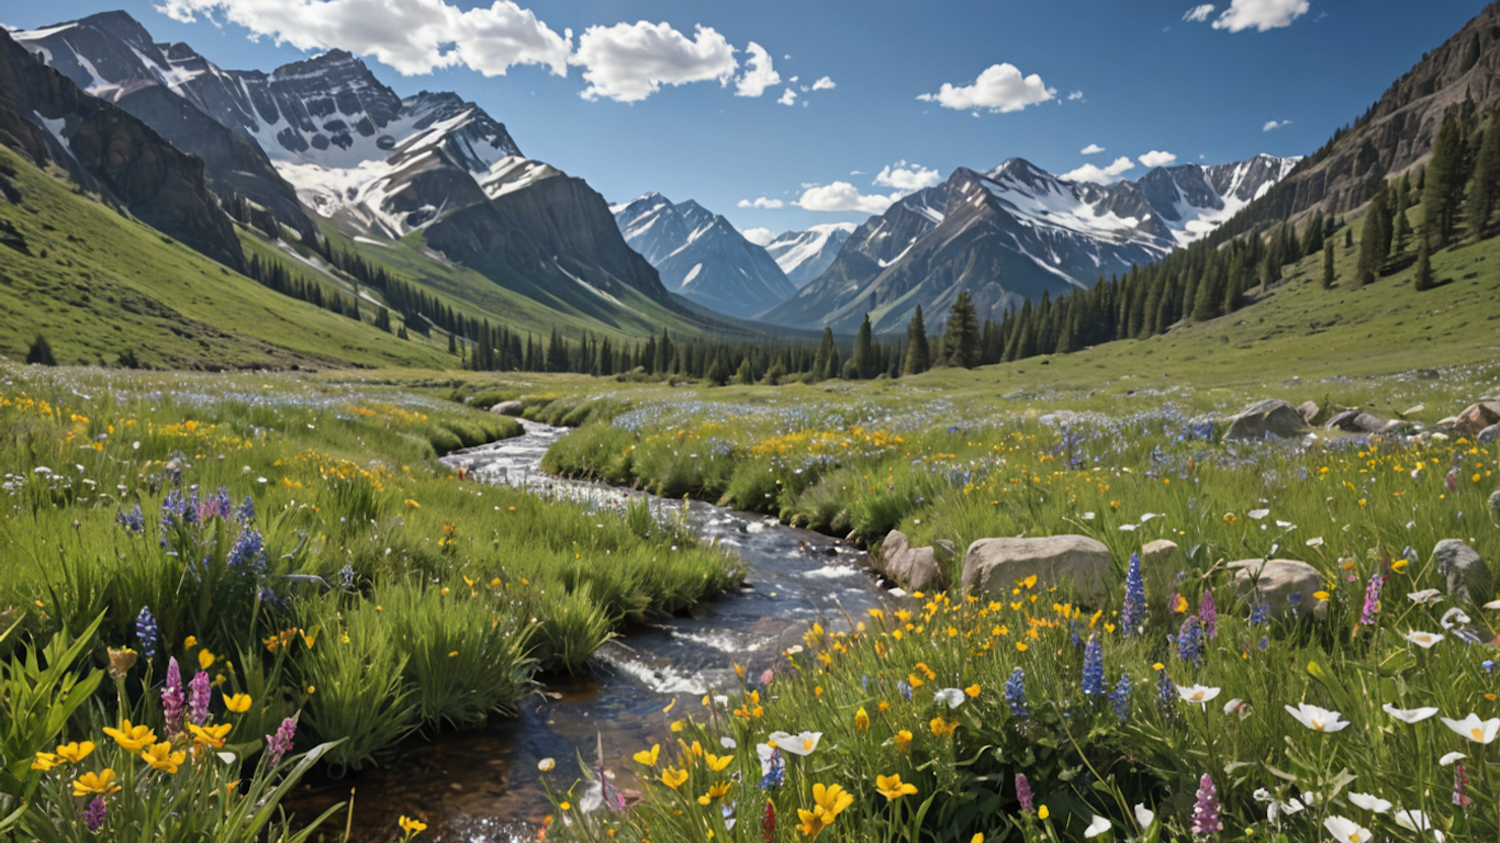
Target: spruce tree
(746,374)
(1422,281)
(1445,180)
(718,373)
(834,367)
(826,349)
(1403,225)
(1328,270)
(1372,242)
(40,352)
(918,357)
(1484,188)
(864,360)
(961,339)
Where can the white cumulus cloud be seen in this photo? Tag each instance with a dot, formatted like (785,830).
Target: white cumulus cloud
(411,36)
(843,196)
(788,97)
(1100,175)
(629,62)
(1091,149)
(1273,125)
(907,177)
(759,202)
(759,73)
(1199,14)
(758,236)
(1155,158)
(1260,15)
(1000,88)
(1075,95)
(824,84)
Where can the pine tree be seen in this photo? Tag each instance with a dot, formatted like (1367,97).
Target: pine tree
(864,352)
(718,373)
(1312,238)
(1446,177)
(961,339)
(1484,188)
(918,358)
(1403,225)
(746,375)
(452,343)
(1422,281)
(40,352)
(826,349)
(1348,238)
(1372,242)
(1328,271)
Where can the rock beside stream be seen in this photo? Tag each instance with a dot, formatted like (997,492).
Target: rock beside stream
(994,566)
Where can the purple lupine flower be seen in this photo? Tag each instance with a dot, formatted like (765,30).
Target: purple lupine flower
(1206,810)
(1133,610)
(1372,599)
(133,521)
(215,506)
(173,698)
(199,695)
(1093,667)
(1015,692)
(145,632)
(1208,615)
(246,513)
(93,815)
(1023,792)
(278,744)
(248,555)
(1166,693)
(1120,698)
(1460,783)
(1190,640)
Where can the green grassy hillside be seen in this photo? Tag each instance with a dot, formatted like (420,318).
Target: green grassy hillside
(98,283)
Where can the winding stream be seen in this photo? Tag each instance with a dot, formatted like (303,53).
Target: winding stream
(482,785)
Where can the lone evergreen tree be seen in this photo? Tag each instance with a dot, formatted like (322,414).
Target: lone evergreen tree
(864,360)
(961,339)
(1372,242)
(1328,271)
(918,356)
(1403,226)
(40,352)
(1423,279)
(826,349)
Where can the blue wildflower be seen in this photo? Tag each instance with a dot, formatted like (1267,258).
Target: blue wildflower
(248,554)
(1015,692)
(246,513)
(905,690)
(1133,611)
(145,632)
(1261,614)
(1093,667)
(1166,693)
(1190,640)
(133,521)
(1120,698)
(775,771)
(346,576)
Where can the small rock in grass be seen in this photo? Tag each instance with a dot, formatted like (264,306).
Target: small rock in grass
(1264,419)
(1275,581)
(1467,574)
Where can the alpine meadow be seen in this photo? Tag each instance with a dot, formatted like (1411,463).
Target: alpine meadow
(1024,423)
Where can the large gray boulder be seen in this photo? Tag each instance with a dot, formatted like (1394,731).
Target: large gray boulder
(508,408)
(1264,419)
(996,565)
(1467,574)
(914,568)
(1359,421)
(1477,417)
(1274,581)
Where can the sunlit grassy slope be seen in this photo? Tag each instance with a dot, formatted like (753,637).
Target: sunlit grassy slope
(99,284)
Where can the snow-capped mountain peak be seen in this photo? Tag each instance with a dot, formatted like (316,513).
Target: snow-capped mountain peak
(803,255)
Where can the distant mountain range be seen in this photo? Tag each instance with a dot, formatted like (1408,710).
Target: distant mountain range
(803,255)
(700,255)
(325,138)
(1014,233)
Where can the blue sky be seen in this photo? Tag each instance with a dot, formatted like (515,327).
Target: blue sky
(1132,77)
